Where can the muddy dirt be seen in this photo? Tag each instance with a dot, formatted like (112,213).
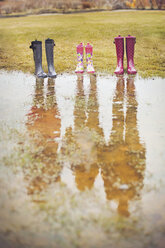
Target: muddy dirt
(82,161)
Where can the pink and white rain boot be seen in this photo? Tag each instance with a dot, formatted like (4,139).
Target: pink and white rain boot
(119,42)
(89,54)
(130,44)
(80,66)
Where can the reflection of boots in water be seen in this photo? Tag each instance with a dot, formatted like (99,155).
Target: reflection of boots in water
(49,46)
(93,107)
(136,155)
(37,54)
(45,112)
(124,159)
(131,134)
(38,100)
(86,170)
(80,104)
(43,121)
(113,156)
(50,95)
(118,113)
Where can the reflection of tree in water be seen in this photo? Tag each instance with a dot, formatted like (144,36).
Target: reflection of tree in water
(123,160)
(43,120)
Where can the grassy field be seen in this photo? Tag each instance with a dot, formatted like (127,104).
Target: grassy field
(100,29)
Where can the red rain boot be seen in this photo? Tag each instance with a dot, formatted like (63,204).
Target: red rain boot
(80,66)
(130,43)
(119,42)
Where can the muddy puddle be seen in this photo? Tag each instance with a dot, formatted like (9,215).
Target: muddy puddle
(82,161)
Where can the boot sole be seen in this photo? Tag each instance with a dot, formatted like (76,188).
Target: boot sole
(52,76)
(117,73)
(131,73)
(90,71)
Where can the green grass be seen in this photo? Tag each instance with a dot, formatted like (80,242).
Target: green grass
(97,28)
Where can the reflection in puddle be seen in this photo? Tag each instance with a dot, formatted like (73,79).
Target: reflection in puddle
(84,138)
(121,160)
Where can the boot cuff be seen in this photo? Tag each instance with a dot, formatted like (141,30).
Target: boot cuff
(36,42)
(130,37)
(119,37)
(49,41)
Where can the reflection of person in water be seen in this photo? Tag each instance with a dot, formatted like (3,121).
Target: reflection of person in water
(123,160)
(43,120)
(86,126)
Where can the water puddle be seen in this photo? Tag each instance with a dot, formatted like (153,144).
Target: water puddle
(82,161)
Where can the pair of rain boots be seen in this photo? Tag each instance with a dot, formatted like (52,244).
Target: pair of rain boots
(80,56)
(130,44)
(37,54)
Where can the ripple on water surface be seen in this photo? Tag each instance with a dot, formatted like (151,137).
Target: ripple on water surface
(82,161)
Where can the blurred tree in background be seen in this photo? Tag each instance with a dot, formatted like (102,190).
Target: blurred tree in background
(9,6)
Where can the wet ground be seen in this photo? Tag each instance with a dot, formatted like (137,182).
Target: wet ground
(82,161)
